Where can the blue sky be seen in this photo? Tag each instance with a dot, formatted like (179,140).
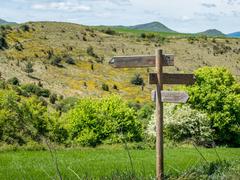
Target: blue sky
(180,15)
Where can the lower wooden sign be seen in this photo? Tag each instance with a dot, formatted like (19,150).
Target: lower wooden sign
(171,96)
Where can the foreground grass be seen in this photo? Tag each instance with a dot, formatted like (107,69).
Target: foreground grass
(103,162)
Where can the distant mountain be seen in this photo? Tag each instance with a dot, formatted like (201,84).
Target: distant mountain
(153,26)
(212,32)
(3,22)
(235,34)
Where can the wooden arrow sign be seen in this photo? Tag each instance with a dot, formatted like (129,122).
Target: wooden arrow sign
(140,61)
(187,79)
(171,96)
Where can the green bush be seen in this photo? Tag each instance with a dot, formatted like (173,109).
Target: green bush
(181,123)
(91,52)
(21,120)
(25,27)
(56,61)
(137,80)
(66,104)
(216,92)
(18,46)
(14,81)
(34,89)
(29,67)
(53,98)
(93,121)
(70,60)
(109,31)
(3,43)
(105,87)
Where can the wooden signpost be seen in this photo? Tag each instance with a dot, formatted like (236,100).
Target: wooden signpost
(159,78)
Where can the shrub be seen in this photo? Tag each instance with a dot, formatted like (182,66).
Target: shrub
(25,27)
(105,87)
(53,98)
(18,46)
(91,52)
(137,80)
(56,61)
(216,93)
(109,31)
(143,35)
(93,121)
(181,123)
(14,81)
(3,43)
(34,89)
(21,120)
(29,67)
(69,60)
(145,113)
(115,87)
(67,104)
(3,84)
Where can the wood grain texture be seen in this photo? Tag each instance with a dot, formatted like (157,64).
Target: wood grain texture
(187,79)
(140,61)
(171,96)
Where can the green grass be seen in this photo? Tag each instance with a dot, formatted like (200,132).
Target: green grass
(103,162)
(138,32)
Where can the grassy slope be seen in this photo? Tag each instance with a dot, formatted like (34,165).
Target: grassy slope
(59,37)
(103,162)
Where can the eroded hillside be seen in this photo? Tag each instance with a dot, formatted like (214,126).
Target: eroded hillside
(70,59)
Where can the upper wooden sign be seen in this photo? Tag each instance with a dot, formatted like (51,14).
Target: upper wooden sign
(187,79)
(140,61)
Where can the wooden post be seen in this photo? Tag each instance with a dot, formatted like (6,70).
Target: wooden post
(159,117)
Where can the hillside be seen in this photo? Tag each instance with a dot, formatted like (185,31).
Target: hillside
(3,22)
(153,26)
(44,43)
(212,32)
(234,35)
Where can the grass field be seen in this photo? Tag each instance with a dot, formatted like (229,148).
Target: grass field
(103,162)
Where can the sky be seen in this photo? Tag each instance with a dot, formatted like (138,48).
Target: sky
(180,15)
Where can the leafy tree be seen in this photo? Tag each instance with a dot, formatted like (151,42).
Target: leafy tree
(217,93)
(21,119)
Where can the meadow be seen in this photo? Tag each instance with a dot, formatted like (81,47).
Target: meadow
(56,84)
(106,162)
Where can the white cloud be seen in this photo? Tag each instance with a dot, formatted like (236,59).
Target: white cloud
(207,5)
(64,6)
(186,18)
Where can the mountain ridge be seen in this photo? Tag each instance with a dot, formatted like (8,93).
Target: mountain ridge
(152,26)
(212,32)
(234,34)
(4,22)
